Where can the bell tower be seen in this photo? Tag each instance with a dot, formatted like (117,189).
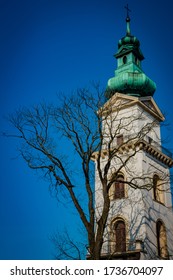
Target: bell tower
(140,220)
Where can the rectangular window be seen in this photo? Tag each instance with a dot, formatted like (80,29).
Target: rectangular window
(119,139)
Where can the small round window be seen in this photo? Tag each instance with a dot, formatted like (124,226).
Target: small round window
(124,59)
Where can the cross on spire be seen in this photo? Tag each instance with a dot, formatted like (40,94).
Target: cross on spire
(128,10)
(128,20)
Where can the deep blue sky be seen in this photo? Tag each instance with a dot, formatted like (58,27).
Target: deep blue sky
(48,46)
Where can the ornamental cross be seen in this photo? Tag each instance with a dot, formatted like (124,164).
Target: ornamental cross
(128,10)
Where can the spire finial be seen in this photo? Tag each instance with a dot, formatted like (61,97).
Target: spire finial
(128,10)
(128,19)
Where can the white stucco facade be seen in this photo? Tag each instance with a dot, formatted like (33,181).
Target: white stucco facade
(136,119)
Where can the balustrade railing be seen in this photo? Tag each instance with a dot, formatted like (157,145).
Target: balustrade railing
(112,248)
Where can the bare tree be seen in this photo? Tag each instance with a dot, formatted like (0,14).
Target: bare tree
(68,247)
(87,128)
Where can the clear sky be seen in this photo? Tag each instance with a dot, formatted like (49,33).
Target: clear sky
(52,46)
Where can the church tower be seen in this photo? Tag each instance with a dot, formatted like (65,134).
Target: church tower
(140,219)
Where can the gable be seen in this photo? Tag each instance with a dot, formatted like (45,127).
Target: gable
(149,104)
(120,101)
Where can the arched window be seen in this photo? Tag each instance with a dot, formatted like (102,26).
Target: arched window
(136,60)
(125,59)
(117,189)
(161,240)
(158,190)
(119,236)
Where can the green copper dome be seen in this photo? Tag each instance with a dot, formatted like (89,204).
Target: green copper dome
(129,77)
